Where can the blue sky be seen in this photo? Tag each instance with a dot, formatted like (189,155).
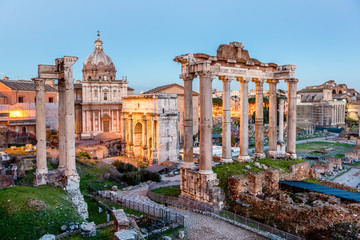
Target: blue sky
(321,37)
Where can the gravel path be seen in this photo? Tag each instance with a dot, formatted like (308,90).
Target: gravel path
(200,227)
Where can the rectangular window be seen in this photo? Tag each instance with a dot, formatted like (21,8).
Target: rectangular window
(51,99)
(21,99)
(105,96)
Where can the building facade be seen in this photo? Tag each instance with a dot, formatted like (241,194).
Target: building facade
(18,107)
(150,127)
(179,91)
(102,94)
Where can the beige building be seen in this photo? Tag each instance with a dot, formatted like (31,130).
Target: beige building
(179,91)
(150,126)
(321,106)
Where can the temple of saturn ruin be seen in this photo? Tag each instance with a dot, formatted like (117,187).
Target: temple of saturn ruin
(66,174)
(232,62)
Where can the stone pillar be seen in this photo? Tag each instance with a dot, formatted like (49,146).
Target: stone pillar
(62,123)
(145,147)
(93,120)
(99,121)
(154,142)
(40,177)
(131,137)
(226,121)
(83,113)
(188,161)
(69,117)
(244,120)
(206,122)
(259,118)
(291,117)
(123,130)
(272,117)
(281,121)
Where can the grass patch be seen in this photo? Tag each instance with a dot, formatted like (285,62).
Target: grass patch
(318,149)
(355,164)
(339,155)
(312,180)
(224,171)
(173,191)
(30,212)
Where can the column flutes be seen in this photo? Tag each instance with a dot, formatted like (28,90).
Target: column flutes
(62,134)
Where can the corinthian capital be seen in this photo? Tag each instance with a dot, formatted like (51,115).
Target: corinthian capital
(187,76)
(206,74)
(39,83)
(292,80)
(272,81)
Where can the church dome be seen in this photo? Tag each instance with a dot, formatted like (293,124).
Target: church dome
(98,55)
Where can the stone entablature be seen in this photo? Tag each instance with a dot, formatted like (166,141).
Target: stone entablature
(103,92)
(150,127)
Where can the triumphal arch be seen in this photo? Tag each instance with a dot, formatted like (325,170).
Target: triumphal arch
(232,62)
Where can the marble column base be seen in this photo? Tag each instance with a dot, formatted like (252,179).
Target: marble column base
(226,160)
(40,179)
(188,165)
(260,155)
(205,172)
(244,158)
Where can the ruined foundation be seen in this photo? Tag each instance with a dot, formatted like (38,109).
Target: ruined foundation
(201,187)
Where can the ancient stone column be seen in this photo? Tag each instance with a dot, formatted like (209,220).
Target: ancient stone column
(145,148)
(131,137)
(154,141)
(123,131)
(69,117)
(40,177)
(226,121)
(291,117)
(99,121)
(244,119)
(62,123)
(206,122)
(259,118)
(93,120)
(272,117)
(188,161)
(281,121)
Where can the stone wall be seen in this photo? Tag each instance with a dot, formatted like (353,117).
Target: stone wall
(6,181)
(268,180)
(312,216)
(201,187)
(338,186)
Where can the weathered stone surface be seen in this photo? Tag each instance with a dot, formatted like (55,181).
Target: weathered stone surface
(6,181)
(48,237)
(125,235)
(299,172)
(202,187)
(181,235)
(121,221)
(256,182)
(88,229)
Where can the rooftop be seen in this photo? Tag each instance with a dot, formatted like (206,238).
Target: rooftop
(24,85)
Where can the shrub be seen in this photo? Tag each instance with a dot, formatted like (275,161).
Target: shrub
(134,178)
(124,167)
(83,155)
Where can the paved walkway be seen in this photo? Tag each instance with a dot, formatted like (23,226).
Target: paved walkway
(197,226)
(351,178)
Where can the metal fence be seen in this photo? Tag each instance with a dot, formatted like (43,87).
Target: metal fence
(257,225)
(164,214)
(195,205)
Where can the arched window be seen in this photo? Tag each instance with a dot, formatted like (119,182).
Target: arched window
(334,92)
(340,92)
(23,129)
(105,96)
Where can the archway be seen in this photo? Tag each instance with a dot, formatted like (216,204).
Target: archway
(137,139)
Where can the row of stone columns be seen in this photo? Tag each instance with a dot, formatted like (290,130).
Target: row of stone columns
(206,119)
(66,116)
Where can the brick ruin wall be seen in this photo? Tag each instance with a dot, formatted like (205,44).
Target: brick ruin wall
(310,215)
(201,187)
